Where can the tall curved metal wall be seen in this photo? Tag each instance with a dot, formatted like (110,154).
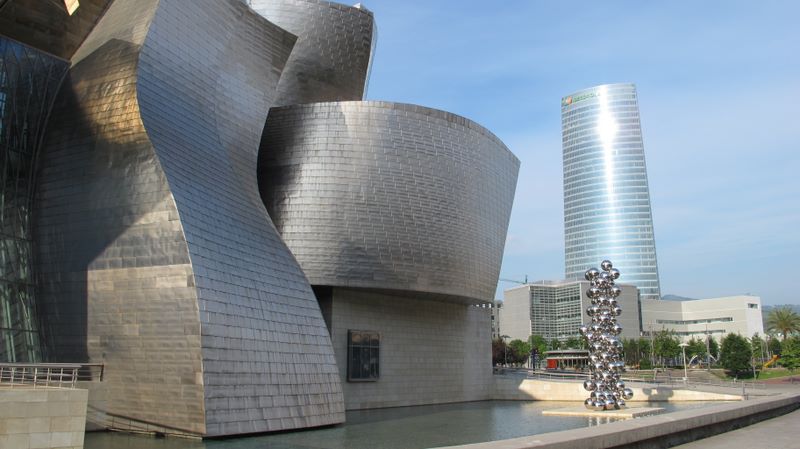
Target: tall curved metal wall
(152,223)
(47,26)
(389,196)
(335,45)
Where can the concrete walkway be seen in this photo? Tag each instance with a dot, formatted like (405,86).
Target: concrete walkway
(782,432)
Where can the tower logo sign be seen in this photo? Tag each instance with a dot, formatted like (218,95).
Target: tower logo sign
(570,100)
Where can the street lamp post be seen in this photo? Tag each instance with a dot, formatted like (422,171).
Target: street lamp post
(708,350)
(685,372)
(505,350)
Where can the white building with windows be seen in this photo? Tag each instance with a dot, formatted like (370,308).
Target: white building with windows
(556,309)
(697,318)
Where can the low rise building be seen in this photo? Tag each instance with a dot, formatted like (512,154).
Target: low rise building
(715,317)
(557,309)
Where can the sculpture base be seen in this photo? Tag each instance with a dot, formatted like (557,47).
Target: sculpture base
(624,413)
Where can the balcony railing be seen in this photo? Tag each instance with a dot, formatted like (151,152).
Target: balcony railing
(48,375)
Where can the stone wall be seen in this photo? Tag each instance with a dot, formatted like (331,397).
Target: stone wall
(47,418)
(431,352)
(521,389)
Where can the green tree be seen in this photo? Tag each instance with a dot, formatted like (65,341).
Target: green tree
(735,354)
(790,355)
(518,352)
(757,346)
(696,348)
(630,348)
(713,347)
(539,343)
(775,346)
(574,343)
(784,321)
(645,350)
(498,351)
(666,346)
(555,345)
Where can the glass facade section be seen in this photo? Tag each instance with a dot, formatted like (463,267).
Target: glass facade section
(363,356)
(29,80)
(556,311)
(607,212)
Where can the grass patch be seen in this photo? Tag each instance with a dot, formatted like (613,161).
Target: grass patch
(764,374)
(772,373)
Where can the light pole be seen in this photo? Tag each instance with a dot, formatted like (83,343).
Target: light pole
(683,349)
(708,350)
(505,350)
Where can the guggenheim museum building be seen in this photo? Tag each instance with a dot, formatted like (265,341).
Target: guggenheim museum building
(197,198)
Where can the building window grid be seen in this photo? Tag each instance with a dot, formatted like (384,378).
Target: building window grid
(556,311)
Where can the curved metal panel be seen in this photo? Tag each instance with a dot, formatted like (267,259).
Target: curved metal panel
(389,196)
(335,45)
(206,79)
(115,278)
(160,259)
(48,26)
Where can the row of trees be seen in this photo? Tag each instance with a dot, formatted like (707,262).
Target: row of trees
(737,354)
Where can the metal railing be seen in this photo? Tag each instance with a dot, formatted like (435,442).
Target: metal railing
(663,378)
(48,375)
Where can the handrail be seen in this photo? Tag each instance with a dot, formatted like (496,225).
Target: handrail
(649,377)
(57,375)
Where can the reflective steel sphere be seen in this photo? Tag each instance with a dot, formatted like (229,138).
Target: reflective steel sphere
(607,390)
(627,393)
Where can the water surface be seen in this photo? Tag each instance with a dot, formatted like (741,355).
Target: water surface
(396,428)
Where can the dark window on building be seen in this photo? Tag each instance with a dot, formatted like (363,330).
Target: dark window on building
(752,306)
(363,356)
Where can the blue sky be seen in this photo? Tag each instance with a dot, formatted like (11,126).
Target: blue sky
(719,94)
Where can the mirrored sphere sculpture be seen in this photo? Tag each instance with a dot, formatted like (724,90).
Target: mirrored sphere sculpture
(607,390)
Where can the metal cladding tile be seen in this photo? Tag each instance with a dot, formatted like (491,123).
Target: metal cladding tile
(55,31)
(153,230)
(332,57)
(362,205)
(218,81)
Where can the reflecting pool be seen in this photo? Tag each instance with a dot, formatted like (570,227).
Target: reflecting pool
(397,428)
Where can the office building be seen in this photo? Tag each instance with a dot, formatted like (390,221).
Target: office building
(698,318)
(607,211)
(557,309)
(235,266)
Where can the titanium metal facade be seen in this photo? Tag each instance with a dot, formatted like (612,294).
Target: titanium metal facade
(607,212)
(47,26)
(332,57)
(153,251)
(389,196)
(157,256)
(29,81)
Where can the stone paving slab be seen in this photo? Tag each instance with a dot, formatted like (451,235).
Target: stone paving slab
(782,432)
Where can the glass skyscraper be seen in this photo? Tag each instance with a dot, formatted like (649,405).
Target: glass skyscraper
(607,212)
